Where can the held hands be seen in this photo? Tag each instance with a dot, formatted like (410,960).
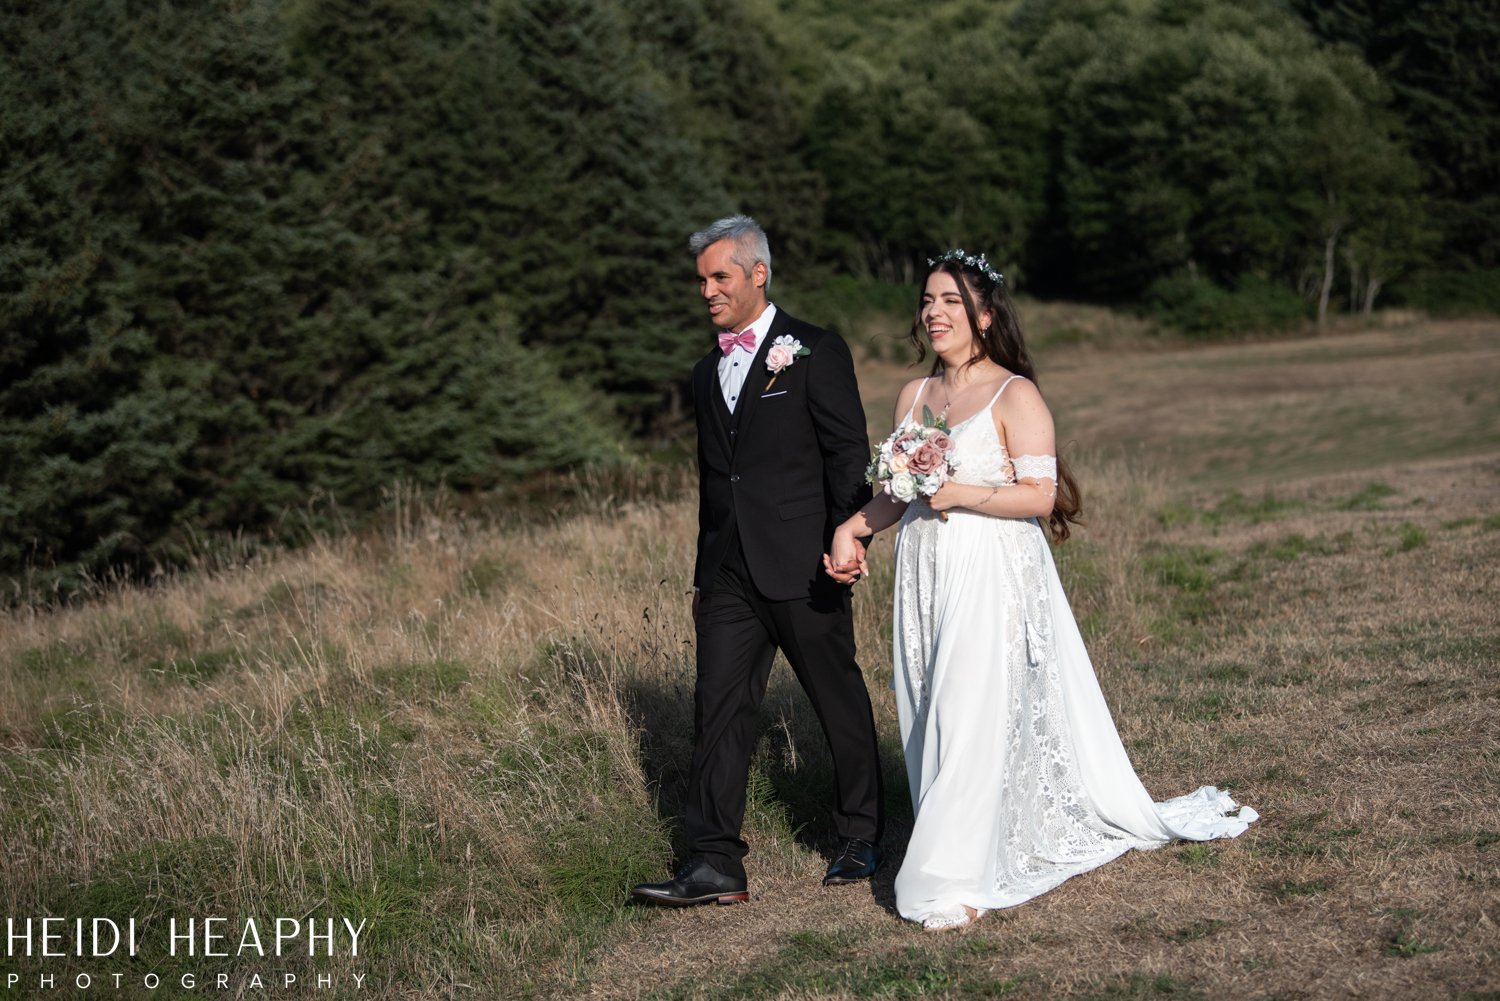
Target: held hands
(845,562)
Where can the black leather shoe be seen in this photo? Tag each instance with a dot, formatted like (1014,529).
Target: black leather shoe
(857,860)
(696,882)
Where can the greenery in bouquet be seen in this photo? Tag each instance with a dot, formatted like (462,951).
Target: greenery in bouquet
(915,461)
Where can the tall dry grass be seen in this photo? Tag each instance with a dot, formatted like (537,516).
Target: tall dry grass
(314,729)
(308,729)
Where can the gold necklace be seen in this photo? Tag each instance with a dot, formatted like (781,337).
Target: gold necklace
(948,398)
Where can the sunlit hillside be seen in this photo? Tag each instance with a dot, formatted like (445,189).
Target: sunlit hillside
(472,732)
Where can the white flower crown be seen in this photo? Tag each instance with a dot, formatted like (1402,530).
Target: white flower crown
(975,261)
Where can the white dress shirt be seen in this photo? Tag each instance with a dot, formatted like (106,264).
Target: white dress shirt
(734,366)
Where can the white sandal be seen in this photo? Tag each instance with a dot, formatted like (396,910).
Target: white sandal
(959,917)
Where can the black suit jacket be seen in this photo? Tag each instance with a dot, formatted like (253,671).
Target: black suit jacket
(786,467)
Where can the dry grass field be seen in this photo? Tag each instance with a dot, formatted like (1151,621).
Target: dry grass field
(473,731)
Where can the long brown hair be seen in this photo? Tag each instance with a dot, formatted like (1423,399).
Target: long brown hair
(1001,342)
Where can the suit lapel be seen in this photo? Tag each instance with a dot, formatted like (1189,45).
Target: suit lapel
(709,395)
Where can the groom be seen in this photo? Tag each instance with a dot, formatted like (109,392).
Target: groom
(781,460)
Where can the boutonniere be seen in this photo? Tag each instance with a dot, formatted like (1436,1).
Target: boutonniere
(784,350)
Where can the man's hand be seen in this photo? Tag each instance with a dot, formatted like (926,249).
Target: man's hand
(845,562)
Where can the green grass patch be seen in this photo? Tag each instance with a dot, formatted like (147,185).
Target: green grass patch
(54,660)
(1293,678)
(1198,855)
(1296,546)
(1492,522)
(159,882)
(1186,574)
(422,680)
(1228,671)
(1144,987)
(207,876)
(766,811)
(1414,647)
(1204,707)
(1370,497)
(817,964)
(193,668)
(1232,508)
(338,738)
(144,639)
(1236,507)
(152,882)
(1196,930)
(1407,945)
(1083,578)
(488,577)
(1175,513)
(1281,773)
(1308,837)
(593,861)
(1479,839)
(1409,537)
(1184,568)
(289,601)
(1290,889)
(302,655)
(81,726)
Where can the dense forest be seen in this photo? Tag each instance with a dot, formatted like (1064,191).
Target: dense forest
(261,253)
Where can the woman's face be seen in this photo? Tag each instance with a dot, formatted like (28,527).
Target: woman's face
(945,319)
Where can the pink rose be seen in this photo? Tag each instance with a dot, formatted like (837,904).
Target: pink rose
(940,441)
(899,462)
(779,357)
(927,459)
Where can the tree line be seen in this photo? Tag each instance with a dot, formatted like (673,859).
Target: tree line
(257,252)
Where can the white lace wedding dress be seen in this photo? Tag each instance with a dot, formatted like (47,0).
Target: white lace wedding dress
(1017,773)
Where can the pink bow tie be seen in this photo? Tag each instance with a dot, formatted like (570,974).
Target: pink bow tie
(729,340)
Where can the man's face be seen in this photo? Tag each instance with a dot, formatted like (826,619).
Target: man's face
(734,299)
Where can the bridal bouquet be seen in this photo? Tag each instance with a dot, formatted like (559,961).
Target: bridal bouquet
(915,460)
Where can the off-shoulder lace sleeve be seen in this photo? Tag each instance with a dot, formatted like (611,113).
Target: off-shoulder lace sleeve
(1040,467)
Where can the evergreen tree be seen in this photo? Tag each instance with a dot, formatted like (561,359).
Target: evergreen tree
(729,94)
(942,151)
(1205,140)
(601,272)
(1439,61)
(221,306)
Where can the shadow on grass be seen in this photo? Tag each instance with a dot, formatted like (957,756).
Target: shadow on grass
(790,788)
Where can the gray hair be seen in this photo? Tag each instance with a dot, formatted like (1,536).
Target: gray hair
(750,246)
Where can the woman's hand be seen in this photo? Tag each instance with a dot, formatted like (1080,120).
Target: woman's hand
(845,560)
(949,496)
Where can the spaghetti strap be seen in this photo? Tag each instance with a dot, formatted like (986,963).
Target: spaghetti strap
(913,408)
(996,397)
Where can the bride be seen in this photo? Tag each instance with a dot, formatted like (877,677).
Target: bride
(1018,777)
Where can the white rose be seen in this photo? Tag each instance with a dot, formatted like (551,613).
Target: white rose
(904,486)
(779,357)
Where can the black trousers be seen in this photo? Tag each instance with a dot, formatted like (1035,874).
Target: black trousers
(739,631)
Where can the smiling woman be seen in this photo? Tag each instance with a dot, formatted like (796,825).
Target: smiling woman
(1017,775)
